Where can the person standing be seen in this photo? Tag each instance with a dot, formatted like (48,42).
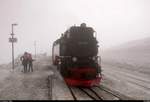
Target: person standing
(24,60)
(30,60)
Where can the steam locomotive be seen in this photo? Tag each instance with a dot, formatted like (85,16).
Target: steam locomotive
(75,55)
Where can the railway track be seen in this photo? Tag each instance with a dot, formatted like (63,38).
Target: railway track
(91,93)
(114,93)
(96,93)
(131,78)
(79,93)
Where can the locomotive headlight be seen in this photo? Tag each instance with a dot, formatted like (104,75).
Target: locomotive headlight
(94,58)
(74,59)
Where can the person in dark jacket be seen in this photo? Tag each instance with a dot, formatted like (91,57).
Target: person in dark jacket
(24,60)
(30,60)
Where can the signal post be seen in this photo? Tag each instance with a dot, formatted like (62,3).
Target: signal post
(13,40)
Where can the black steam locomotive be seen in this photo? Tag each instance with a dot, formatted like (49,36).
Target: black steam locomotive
(75,55)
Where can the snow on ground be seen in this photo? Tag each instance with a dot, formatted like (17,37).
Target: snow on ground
(60,90)
(127,68)
(16,85)
(132,84)
(3,72)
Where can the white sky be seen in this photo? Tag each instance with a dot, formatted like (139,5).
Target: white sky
(116,22)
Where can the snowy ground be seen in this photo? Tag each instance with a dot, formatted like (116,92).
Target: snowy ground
(127,68)
(16,85)
(60,90)
(127,82)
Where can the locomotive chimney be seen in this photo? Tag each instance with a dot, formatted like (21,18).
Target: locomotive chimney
(83,25)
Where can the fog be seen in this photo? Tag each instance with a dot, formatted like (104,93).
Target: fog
(43,21)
